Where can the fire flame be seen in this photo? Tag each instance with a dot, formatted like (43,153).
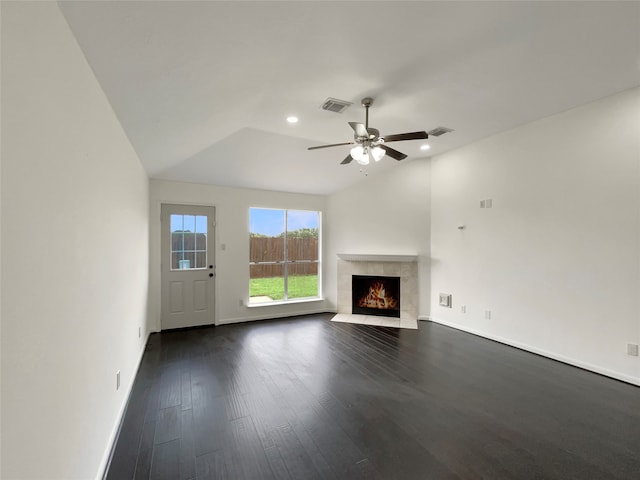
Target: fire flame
(377,298)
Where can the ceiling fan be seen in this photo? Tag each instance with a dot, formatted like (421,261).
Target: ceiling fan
(369,145)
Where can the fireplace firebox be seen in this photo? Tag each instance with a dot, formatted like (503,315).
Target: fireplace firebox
(375,295)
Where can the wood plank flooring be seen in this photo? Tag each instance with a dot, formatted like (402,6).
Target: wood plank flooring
(306,398)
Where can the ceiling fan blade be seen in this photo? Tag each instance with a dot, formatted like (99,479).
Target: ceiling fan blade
(332,145)
(406,136)
(395,154)
(360,129)
(346,160)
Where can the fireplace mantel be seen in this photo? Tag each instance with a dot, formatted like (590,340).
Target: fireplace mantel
(366,257)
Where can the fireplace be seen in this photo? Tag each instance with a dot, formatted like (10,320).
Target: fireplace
(401,266)
(375,295)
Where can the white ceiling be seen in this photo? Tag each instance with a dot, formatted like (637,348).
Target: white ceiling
(203,88)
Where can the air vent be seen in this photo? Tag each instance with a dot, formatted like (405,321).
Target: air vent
(335,105)
(436,132)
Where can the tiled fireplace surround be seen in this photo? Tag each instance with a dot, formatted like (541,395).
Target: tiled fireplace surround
(403,266)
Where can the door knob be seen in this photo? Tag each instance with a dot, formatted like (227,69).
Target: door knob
(211,275)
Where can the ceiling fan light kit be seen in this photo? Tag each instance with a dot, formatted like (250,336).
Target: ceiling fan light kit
(369,145)
(364,155)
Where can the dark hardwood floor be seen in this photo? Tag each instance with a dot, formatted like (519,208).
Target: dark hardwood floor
(305,398)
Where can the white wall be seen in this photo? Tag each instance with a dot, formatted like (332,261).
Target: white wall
(232,230)
(0,256)
(74,253)
(557,258)
(387,213)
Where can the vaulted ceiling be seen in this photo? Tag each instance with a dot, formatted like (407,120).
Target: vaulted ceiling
(203,89)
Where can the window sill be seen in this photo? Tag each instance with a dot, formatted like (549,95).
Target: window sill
(284,302)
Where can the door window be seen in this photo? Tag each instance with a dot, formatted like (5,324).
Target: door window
(188,242)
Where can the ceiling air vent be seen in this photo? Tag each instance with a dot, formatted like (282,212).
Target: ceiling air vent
(436,132)
(335,105)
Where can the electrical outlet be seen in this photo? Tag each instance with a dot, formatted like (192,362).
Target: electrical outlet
(118,380)
(241,303)
(632,349)
(463,308)
(488,203)
(139,332)
(487,314)
(482,204)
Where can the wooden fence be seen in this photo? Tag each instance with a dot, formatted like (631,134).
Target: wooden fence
(271,249)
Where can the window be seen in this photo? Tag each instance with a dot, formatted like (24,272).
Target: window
(283,255)
(188,242)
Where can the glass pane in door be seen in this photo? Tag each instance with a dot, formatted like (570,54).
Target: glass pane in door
(188,242)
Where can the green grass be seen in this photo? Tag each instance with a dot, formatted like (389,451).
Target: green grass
(300,286)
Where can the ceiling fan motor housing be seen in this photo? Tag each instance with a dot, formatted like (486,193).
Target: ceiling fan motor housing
(367,102)
(374,135)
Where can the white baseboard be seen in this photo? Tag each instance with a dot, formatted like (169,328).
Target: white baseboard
(113,438)
(554,356)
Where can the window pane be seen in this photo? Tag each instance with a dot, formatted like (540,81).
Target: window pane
(182,260)
(176,258)
(201,224)
(266,283)
(302,248)
(302,268)
(201,232)
(266,222)
(302,235)
(266,249)
(190,257)
(189,241)
(177,241)
(189,223)
(177,223)
(266,235)
(301,286)
(201,259)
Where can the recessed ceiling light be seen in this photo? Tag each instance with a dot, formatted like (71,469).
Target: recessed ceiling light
(425,147)
(292,119)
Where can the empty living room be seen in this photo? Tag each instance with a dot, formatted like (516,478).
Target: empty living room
(320,240)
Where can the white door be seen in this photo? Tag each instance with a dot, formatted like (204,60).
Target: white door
(188,266)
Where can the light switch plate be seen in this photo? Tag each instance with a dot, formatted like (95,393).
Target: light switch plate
(445,300)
